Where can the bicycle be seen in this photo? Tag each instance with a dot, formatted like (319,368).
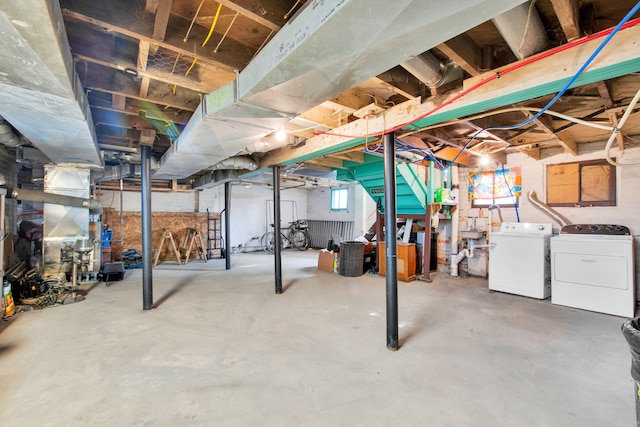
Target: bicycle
(295,236)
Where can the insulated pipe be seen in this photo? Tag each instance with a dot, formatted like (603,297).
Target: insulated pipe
(522,29)
(546,209)
(58,199)
(147,263)
(239,162)
(277,238)
(227,223)
(7,136)
(390,212)
(430,71)
(267,143)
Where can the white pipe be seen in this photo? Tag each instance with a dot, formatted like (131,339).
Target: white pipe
(467,252)
(455,222)
(455,260)
(616,130)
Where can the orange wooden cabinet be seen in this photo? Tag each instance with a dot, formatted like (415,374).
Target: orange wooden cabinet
(406,256)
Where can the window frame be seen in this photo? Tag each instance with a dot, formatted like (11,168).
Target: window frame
(612,184)
(513,203)
(338,191)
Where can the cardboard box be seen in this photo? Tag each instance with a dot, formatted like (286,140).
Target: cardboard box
(326,260)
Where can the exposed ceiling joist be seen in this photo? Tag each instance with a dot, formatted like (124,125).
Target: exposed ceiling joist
(567,12)
(540,78)
(136,30)
(160,76)
(464,52)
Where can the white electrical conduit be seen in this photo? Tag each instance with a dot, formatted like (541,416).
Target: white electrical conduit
(616,131)
(511,110)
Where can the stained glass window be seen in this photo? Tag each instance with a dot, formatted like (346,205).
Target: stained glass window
(500,187)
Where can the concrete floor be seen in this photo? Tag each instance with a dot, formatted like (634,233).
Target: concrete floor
(221,349)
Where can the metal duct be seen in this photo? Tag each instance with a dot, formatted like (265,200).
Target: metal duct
(7,136)
(42,96)
(547,209)
(215,178)
(430,71)
(267,143)
(522,29)
(57,199)
(238,162)
(320,232)
(112,173)
(326,50)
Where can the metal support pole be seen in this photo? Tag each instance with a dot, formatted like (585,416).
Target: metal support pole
(277,238)
(147,252)
(227,223)
(390,213)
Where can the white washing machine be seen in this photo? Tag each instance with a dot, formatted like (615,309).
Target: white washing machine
(593,268)
(519,259)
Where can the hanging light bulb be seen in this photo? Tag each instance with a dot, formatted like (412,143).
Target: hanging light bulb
(484,160)
(281,134)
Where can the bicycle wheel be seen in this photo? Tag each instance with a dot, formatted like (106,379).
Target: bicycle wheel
(268,242)
(300,241)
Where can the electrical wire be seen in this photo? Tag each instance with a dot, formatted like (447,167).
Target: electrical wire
(596,125)
(566,86)
(616,131)
(626,23)
(213,25)
(191,67)
(515,203)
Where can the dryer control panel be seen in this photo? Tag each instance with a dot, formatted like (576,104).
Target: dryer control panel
(596,229)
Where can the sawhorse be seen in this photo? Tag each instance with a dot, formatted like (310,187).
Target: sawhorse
(166,234)
(192,237)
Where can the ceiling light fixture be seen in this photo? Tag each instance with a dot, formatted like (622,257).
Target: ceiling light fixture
(281,134)
(484,160)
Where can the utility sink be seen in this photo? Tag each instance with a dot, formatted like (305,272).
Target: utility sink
(471,234)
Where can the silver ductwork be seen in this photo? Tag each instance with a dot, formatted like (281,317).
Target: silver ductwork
(430,71)
(7,135)
(42,96)
(316,56)
(547,209)
(522,29)
(112,173)
(57,199)
(238,162)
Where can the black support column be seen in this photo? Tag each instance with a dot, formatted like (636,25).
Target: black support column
(390,212)
(277,238)
(147,262)
(227,224)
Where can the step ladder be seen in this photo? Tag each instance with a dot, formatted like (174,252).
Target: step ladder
(215,242)
(166,235)
(191,239)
